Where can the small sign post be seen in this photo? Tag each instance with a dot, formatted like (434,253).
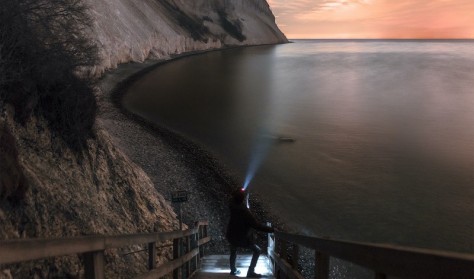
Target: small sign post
(179,197)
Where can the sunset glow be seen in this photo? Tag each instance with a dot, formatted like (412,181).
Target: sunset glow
(373,19)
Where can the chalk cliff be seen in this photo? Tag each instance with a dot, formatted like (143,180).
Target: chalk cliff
(48,190)
(129,30)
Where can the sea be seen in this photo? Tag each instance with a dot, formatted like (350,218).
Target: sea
(360,140)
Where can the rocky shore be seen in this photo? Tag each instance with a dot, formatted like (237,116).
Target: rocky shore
(171,161)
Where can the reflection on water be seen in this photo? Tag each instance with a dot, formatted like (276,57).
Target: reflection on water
(384,132)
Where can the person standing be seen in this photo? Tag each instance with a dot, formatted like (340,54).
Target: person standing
(240,233)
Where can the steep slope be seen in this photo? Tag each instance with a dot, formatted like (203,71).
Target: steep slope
(50,191)
(129,30)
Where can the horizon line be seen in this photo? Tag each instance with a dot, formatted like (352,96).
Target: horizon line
(401,39)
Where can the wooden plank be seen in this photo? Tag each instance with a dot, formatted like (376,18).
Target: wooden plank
(202,223)
(271,242)
(283,249)
(13,251)
(151,255)
(284,266)
(271,251)
(194,245)
(188,249)
(204,240)
(176,255)
(321,266)
(118,241)
(390,259)
(168,267)
(295,256)
(94,265)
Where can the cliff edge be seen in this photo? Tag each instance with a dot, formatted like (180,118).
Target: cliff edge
(128,30)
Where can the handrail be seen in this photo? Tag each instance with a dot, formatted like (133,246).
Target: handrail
(384,259)
(168,267)
(12,251)
(15,251)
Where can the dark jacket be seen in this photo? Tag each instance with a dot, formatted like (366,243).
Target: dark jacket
(239,231)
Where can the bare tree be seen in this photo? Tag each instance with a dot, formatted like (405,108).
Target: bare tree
(43,45)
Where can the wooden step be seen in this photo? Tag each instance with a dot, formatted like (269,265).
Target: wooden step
(217,266)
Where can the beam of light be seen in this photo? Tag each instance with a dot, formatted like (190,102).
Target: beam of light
(259,153)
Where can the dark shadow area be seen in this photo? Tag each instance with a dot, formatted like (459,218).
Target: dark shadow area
(193,26)
(43,54)
(13,184)
(233,28)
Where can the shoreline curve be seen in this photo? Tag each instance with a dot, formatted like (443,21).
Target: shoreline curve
(209,180)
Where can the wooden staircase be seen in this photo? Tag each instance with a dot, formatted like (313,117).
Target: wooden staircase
(284,256)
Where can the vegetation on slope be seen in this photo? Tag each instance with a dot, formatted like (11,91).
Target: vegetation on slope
(60,176)
(43,47)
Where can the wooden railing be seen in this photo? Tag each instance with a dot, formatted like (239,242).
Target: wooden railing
(187,250)
(384,260)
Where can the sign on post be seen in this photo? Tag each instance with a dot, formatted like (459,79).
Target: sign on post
(179,196)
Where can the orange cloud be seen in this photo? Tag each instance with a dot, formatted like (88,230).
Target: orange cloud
(375,18)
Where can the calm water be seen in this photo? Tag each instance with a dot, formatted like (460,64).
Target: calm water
(384,132)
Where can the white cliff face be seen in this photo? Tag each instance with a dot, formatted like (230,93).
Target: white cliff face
(128,30)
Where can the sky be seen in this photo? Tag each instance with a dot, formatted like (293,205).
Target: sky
(372,19)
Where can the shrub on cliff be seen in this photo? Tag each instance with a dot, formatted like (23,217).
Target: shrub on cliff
(43,48)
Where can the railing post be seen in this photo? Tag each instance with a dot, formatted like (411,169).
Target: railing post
(151,255)
(195,245)
(187,249)
(200,230)
(94,265)
(322,266)
(271,248)
(284,251)
(279,250)
(197,258)
(202,234)
(295,256)
(176,255)
(193,262)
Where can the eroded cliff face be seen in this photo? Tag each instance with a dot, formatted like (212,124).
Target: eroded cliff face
(48,191)
(127,30)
